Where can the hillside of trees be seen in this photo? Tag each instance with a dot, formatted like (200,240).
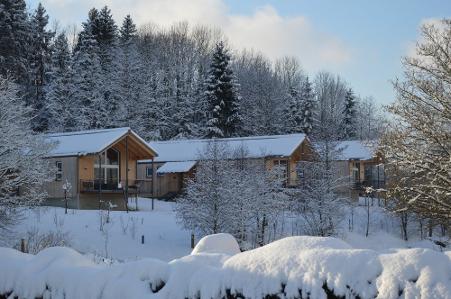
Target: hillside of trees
(163,82)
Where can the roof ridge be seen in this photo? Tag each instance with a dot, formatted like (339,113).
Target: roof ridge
(263,137)
(84,132)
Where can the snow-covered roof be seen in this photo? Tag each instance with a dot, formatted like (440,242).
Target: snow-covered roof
(355,149)
(257,147)
(175,167)
(88,142)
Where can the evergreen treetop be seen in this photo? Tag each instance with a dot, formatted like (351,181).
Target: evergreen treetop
(221,96)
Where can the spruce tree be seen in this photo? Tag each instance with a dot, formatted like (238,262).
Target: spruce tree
(40,63)
(60,102)
(294,112)
(92,111)
(349,115)
(14,41)
(308,99)
(129,78)
(222,97)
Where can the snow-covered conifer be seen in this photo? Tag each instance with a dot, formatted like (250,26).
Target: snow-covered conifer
(222,97)
(40,60)
(349,116)
(60,104)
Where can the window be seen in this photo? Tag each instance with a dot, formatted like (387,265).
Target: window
(282,166)
(59,171)
(109,168)
(149,172)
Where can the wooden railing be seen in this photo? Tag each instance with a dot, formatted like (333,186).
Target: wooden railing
(116,186)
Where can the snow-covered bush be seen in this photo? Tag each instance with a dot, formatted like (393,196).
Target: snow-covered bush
(294,267)
(217,243)
(36,241)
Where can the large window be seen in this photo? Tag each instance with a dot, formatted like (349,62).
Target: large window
(109,168)
(59,171)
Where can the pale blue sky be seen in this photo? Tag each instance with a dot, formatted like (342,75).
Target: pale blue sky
(363,41)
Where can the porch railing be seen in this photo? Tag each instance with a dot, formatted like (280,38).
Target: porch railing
(116,186)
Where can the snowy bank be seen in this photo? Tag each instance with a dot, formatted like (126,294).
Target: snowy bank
(294,267)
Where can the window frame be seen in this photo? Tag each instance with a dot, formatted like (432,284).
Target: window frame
(106,167)
(59,171)
(147,171)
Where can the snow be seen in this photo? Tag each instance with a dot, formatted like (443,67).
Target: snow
(217,243)
(86,142)
(175,167)
(164,239)
(355,149)
(258,147)
(287,268)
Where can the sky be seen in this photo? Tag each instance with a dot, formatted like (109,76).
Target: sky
(362,41)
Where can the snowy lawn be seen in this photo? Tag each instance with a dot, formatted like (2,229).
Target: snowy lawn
(164,239)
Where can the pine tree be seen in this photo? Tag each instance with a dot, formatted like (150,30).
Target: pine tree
(40,62)
(60,102)
(129,73)
(14,40)
(88,98)
(107,40)
(127,31)
(294,112)
(349,116)
(308,107)
(100,27)
(221,96)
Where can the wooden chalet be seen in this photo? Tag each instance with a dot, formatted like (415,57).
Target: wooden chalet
(177,159)
(100,166)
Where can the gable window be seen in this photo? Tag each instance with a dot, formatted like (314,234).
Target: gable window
(59,171)
(281,167)
(149,172)
(109,168)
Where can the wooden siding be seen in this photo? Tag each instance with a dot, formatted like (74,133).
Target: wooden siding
(86,167)
(69,173)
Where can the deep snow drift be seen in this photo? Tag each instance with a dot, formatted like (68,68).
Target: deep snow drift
(289,268)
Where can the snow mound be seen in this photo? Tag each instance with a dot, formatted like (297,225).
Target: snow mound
(295,267)
(217,243)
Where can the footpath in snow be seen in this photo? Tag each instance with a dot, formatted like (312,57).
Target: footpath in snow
(294,267)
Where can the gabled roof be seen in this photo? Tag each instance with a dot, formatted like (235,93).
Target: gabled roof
(88,142)
(356,149)
(257,147)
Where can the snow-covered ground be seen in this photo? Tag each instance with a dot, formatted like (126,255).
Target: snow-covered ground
(164,239)
(293,267)
(163,267)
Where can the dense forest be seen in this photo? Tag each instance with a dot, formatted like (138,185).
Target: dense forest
(179,82)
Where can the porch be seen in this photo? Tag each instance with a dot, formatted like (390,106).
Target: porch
(135,186)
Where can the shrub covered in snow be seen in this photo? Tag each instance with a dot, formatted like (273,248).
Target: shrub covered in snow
(37,241)
(217,243)
(295,267)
